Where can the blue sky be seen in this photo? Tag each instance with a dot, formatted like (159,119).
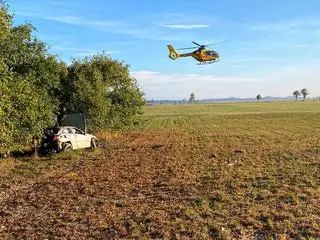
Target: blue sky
(272,47)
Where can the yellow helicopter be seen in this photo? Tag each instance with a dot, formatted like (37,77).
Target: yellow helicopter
(203,55)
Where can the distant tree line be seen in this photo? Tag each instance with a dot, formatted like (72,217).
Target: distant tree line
(38,90)
(304,92)
(192,98)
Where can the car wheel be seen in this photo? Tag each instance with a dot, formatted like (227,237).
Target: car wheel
(43,151)
(68,147)
(93,143)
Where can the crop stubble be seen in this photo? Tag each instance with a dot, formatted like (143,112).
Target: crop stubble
(183,176)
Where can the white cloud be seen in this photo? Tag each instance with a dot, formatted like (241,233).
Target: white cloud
(84,22)
(89,53)
(249,59)
(293,25)
(72,49)
(280,82)
(302,45)
(186,26)
(73,20)
(158,85)
(143,30)
(80,52)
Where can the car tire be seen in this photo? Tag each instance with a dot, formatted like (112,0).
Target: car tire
(43,151)
(68,147)
(93,143)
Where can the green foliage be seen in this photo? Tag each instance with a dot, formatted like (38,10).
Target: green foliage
(5,21)
(259,97)
(103,89)
(296,93)
(23,112)
(192,98)
(304,92)
(29,77)
(26,55)
(37,88)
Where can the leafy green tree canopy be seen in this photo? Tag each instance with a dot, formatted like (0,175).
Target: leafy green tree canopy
(28,77)
(103,89)
(36,88)
(296,93)
(5,20)
(259,97)
(192,98)
(304,92)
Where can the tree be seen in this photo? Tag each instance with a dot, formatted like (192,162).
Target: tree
(24,112)
(28,77)
(296,93)
(36,88)
(304,92)
(25,55)
(192,98)
(103,89)
(258,97)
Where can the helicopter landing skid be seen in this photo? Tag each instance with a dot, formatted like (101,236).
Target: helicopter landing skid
(207,62)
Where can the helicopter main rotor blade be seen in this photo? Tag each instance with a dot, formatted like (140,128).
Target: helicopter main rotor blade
(197,44)
(187,48)
(216,43)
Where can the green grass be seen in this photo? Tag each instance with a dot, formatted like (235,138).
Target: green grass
(231,108)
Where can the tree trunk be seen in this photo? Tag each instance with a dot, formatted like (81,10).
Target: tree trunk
(61,115)
(35,153)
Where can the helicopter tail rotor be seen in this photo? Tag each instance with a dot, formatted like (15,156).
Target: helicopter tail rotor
(172,52)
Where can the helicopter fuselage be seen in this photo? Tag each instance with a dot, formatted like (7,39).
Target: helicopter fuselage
(205,55)
(201,54)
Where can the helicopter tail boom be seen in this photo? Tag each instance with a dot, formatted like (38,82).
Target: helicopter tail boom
(172,52)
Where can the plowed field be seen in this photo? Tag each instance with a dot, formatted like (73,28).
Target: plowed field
(214,171)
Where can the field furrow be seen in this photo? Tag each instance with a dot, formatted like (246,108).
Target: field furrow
(188,172)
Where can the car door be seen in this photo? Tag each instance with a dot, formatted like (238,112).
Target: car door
(81,138)
(72,138)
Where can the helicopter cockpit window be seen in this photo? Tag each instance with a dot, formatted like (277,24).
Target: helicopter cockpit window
(212,53)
